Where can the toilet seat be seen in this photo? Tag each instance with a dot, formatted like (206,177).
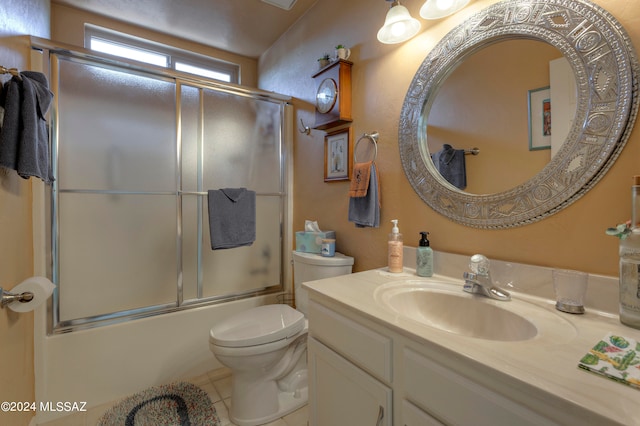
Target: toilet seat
(257,326)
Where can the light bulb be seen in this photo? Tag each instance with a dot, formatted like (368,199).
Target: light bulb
(444,4)
(436,9)
(398,29)
(398,26)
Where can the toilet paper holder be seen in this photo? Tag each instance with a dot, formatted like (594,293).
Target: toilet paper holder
(8,297)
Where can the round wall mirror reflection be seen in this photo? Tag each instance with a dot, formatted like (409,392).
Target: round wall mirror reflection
(484,103)
(547,92)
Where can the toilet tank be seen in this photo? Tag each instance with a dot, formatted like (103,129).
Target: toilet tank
(311,266)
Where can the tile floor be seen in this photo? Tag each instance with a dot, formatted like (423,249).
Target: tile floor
(216,383)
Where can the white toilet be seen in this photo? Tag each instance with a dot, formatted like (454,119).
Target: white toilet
(266,347)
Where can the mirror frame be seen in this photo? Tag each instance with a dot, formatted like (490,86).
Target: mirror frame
(605,67)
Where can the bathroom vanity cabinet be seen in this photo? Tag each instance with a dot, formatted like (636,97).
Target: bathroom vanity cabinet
(351,385)
(364,374)
(372,365)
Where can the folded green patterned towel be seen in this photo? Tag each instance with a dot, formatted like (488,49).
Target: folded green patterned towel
(615,357)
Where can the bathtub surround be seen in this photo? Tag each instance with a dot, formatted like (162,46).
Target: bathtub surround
(105,364)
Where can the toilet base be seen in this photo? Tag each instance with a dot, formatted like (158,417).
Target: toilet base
(288,403)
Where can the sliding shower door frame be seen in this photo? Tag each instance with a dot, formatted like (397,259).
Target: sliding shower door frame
(51,54)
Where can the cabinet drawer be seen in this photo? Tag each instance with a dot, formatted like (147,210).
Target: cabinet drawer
(366,348)
(413,416)
(442,392)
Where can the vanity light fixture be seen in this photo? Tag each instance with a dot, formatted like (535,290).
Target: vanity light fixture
(436,9)
(399,25)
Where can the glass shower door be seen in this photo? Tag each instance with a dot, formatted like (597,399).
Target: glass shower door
(116,186)
(135,153)
(230,141)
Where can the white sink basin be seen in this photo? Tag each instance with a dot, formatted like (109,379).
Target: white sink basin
(446,307)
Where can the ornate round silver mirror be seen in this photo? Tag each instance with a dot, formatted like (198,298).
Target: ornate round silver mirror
(605,71)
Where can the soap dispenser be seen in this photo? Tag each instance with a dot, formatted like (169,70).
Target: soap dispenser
(424,257)
(395,248)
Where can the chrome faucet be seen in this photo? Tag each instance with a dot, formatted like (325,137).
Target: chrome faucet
(479,280)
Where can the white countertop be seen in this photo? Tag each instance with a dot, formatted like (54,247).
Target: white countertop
(548,363)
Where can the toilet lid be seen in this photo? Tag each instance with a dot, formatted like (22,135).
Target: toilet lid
(315,259)
(256,326)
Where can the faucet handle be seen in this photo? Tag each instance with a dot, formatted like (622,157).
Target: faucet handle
(479,264)
(469,276)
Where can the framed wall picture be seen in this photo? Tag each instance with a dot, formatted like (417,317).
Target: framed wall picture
(539,119)
(338,155)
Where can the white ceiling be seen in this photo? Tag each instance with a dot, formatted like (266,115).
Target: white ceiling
(246,27)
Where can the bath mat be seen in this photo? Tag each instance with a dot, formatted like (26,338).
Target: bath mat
(175,404)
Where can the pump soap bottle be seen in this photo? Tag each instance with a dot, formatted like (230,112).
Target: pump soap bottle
(424,257)
(395,248)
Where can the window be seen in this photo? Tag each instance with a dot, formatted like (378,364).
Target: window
(138,49)
(129,52)
(192,69)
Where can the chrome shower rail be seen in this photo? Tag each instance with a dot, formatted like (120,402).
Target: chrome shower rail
(116,192)
(71,51)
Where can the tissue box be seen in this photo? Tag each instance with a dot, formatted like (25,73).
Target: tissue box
(311,242)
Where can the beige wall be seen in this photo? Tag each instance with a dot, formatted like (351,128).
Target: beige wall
(503,71)
(67,26)
(17,17)
(572,238)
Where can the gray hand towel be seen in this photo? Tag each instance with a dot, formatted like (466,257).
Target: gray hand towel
(365,211)
(450,162)
(24,137)
(232,217)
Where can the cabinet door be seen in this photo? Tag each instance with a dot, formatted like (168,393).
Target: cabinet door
(342,394)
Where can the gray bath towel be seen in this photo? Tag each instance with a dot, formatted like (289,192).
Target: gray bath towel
(24,137)
(232,217)
(450,162)
(365,211)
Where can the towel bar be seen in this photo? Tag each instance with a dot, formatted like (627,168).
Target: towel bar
(373,137)
(13,71)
